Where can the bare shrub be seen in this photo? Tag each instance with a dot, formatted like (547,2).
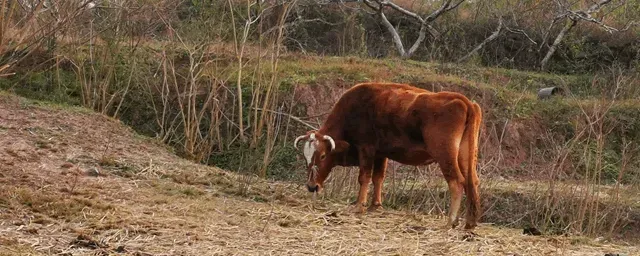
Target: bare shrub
(28,26)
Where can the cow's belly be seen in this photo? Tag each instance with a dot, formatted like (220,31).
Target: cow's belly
(415,155)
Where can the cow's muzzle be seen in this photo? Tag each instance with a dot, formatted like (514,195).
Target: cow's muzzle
(312,188)
(312,185)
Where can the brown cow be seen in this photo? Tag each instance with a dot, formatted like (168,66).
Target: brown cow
(373,122)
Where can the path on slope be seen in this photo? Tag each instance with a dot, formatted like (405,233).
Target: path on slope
(73,182)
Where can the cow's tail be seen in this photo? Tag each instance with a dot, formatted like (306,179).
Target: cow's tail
(470,136)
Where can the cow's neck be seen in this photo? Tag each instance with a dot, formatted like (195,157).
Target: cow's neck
(333,126)
(335,131)
(331,130)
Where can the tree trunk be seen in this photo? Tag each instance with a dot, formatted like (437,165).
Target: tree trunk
(397,41)
(487,40)
(421,37)
(554,46)
(424,23)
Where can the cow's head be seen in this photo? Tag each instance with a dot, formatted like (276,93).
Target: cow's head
(319,151)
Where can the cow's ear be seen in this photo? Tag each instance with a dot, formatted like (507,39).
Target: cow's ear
(341,146)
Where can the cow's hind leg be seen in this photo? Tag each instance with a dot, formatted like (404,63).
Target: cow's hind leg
(379,170)
(443,142)
(447,160)
(455,191)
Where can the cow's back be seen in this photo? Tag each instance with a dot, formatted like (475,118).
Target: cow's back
(379,114)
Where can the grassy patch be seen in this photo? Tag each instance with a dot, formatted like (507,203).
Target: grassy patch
(27,102)
(40,85)
(56,205)
(180,190)
(11,247)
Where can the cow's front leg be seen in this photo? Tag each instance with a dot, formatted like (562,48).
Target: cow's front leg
(364,179)
(379,170)
(366,167)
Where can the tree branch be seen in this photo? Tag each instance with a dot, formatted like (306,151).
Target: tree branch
(434,33)
(574,17)
(595,7)
(434,15)
(587,17)
(421,36)
(425,26)
(522,32)
(397,41)
(298,22)
(487,40)
(629,25)
(545,36)
(400,9)
(455,5)
(370,5)
(297,119)
(554,46)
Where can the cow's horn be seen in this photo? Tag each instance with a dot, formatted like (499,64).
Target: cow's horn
(333,143)
(295,142)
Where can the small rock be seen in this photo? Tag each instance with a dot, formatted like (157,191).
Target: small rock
(332,214)
(66,165)
(93,172)
(531,231)
(469,237)
(415,229)
(86,242)
(120,249)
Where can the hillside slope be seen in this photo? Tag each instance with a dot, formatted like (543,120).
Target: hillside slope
(73,182)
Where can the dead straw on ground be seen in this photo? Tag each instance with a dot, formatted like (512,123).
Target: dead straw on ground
(144,200)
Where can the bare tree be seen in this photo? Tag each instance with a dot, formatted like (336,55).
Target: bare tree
(571,19)
(239,46)
(425,23)
(507,15)
(487,40)
(26,25)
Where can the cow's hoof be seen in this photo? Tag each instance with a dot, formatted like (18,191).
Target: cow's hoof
(451,224)
(359,209)
(470,226)
(375,208)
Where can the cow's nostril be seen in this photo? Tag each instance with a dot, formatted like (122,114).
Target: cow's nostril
(312,189)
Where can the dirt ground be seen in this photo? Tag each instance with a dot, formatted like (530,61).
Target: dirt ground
(73,182)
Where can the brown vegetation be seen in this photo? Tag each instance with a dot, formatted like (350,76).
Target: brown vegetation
(148,201)
(182,72)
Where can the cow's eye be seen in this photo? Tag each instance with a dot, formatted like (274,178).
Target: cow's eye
(322,156)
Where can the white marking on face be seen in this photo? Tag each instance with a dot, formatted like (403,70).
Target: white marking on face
(309,149)
(312,174)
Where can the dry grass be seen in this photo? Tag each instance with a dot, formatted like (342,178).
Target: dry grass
(97,188)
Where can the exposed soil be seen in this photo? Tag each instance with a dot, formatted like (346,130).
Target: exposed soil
(74,182)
